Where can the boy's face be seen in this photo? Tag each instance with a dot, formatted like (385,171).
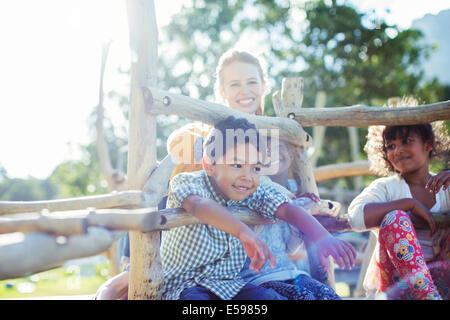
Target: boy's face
(238,178)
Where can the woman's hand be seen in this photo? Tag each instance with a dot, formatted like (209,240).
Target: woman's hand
(343,252)
(442,179)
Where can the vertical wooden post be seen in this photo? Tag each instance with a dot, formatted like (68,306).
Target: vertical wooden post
(318,131)
(354,153)
(288,102)
(145,280)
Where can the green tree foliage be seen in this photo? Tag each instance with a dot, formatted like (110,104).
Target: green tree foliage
(24,189)
(355,57)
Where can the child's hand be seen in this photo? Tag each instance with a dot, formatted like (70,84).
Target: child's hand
(435,183)
(419,210)
(310,195)
(257,250)
(343,252)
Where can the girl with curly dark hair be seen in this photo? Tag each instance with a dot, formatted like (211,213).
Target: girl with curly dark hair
(407,264)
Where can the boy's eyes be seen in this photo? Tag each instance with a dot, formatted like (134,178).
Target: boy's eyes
(239,166)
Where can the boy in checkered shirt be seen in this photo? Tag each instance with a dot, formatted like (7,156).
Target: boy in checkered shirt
(203,261)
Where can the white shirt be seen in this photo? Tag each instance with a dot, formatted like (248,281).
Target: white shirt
(389,189)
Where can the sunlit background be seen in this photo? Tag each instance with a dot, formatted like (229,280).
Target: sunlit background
(50,66)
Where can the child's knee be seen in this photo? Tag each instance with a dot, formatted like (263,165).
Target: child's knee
(394,218)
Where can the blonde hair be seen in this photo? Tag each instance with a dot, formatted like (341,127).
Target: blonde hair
(377,135)
(231,56)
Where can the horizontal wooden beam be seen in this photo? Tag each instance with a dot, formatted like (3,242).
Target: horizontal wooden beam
(111,200)
(363,116)
(163,102)
(349,169)
(144,220)
(24,254)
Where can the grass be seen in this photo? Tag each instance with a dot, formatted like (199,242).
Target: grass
(63,281)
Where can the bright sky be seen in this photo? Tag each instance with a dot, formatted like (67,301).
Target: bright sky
(50,64)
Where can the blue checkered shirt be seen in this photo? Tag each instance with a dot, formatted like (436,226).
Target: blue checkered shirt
(201,254)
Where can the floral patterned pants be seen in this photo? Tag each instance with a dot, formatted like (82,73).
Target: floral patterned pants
(404,274)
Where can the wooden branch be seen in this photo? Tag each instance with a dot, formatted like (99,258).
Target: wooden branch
(144,220)
(288,101)
(349,169)
(363,116)
(334,224)
(163,102)
(318,131)
(112,200)
(145,279)
(116,179)
(22,254)
(442,220)
(158,184)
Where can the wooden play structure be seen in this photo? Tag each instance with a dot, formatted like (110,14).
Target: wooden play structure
(47,233)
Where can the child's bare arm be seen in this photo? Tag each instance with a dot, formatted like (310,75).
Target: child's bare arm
(343,253)
(210,212)
(374,212)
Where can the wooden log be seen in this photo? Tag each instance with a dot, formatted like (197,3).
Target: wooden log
(318,131)
(442,220)
(363,116)
(288,101)
(112,200)
(158,184)
(143,220)
(334,224)
(55,225)
(115,178)
(354,154)
(145,279)
(24,254)
(349,169)
(162,102)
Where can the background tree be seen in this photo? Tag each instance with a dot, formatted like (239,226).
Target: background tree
(354,57)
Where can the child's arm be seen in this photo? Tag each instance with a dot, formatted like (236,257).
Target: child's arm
(210,212)
(343,253)
(374,212)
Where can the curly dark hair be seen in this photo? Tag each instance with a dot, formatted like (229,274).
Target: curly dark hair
(375,147)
